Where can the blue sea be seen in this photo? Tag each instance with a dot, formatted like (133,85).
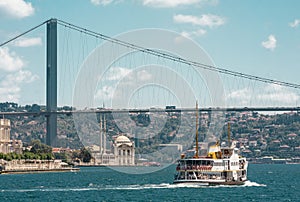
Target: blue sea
(266,183)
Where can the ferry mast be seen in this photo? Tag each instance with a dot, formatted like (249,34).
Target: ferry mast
(197,132)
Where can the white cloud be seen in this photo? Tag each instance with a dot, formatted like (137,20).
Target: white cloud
(270,43)
(117,73)
(185,34)
(144,75)
(278,95)
(208,20)
(16,8)
(26,42)
(241,96)
(160,3)
(101,2)
(22,76)
(295,23)
(105,93)
(269,95)
(199,32)
(10,61)
(120,81)
(10,86)
(11,83)
(169,3)
(181,38)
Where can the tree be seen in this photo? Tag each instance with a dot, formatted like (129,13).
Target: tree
(85,155)
(40,148)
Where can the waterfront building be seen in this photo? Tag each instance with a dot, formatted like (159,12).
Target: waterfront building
(123,151)
(4,136)
(6,144)
(120,153)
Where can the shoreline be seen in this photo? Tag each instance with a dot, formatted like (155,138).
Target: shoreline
(4,172)
(35,166)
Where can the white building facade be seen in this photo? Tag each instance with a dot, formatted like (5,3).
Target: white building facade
(124,151)
(6,144)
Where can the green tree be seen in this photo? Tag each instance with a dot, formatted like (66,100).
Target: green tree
(85,155)
(40,148)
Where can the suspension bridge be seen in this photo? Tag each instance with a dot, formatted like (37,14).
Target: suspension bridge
(52,68)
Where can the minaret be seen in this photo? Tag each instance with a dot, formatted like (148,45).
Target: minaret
(100,120)
(104,135)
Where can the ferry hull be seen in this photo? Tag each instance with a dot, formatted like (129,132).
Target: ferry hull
(208,183)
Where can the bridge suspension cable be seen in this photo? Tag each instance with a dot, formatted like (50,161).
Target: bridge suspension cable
(22,34)
(161,54)
(176,58)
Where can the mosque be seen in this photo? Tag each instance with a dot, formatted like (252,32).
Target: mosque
(122,152)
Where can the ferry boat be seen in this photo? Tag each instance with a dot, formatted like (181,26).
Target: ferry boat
(220,166)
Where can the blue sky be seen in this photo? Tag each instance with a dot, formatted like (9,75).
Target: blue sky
(259,37)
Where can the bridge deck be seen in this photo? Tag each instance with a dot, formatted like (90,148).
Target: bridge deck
(235,109)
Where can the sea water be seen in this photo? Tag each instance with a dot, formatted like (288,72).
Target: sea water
(266,183)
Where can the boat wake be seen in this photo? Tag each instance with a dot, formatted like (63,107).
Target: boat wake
(253,184)
(92,187)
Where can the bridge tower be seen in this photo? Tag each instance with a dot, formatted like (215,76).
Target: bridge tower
(51,82)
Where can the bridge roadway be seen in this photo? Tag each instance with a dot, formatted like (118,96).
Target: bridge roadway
(210,109)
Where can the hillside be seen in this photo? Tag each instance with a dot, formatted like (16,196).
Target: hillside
(257,134)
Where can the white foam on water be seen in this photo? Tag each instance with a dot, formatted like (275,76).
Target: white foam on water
(92,187)
(253,184)
(49,190)
(139,187)
(246,184)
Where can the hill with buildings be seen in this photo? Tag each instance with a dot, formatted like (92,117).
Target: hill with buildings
(257,134)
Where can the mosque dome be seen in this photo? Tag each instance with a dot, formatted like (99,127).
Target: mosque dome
(123,140)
